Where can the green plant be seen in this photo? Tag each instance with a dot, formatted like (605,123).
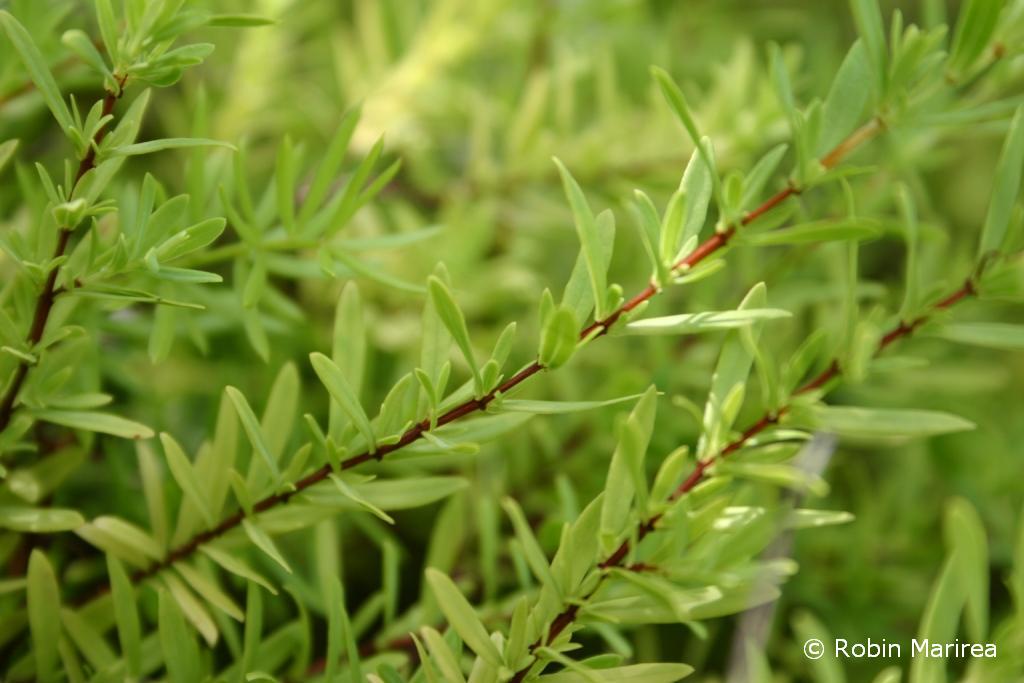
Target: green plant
(109,270)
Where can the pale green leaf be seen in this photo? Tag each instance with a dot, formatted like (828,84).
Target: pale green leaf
(43,614)
(590,240)
(236,566)
(103,423)
(263,541)
(209,590)
(558,338)
(461,616)
(185,475)
(966,539)
(177,643)
(844,104)
(989,335)
(883,422)
(707,321)
(453,319)
(39,520)
(635,673)
(40,74)
(151,146)
(252,428)
(338,387)
(126,615)
(560,407)
(1005,188)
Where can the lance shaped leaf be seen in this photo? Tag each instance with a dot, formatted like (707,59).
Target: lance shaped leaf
(626,477)
(1005,189)
(462,617)
(453,319)
(593,248)
(341,391)
(35,64)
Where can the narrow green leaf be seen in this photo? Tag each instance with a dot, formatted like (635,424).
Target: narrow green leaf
(707,321)
(777,474)
(209,591)
(253,629)
(350,493)
(453,319)
(40,74)
(728,383)
(253,430)
(263,541)
(108,29)
(7,150)
(327,172)
(185,475)
(846,99)
(634,673)
(81,45)
(989,335)
(939,623)
(558,338)
(535,557)
(239,20)
(395,494)
(284,183)
(181,653)
(674,97)
(560,407)
(626,478)
(1005,188)
(126,615)
(975,25)
(190,239)
(912,289)
(103,423)
(882,422)
(966,539)
(461,616)
(758,176)
(590,241)
(234,565)
(338,387)
(43,613)
(39,520)
(339,631)
(812,519)
(151,146)
(129,535)
(442,656)
(348,349)
(868,18)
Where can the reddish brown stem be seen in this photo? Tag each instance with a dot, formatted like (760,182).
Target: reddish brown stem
(617,558)
(48,294)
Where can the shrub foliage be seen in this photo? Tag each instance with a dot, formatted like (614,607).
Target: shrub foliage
(211,470)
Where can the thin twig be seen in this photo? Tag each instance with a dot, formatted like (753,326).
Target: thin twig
(44,304)
(616,560)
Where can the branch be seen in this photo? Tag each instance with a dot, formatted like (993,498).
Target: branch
(833,371)
(596,329)
(44,304)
